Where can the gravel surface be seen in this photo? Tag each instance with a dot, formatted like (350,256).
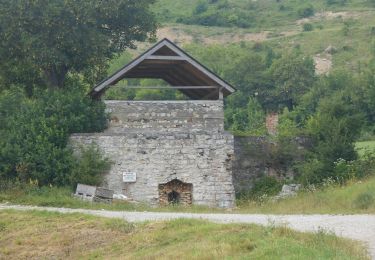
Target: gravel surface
(358,227)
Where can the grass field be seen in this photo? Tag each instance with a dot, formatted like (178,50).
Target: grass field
(364,146)
(41,235)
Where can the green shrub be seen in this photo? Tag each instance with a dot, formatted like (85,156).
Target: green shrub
(201,8)
(336,2)
(263,187)
(90,168)
(249,120)
(364,200)
(345,29)
(364,166)
(332,131)
(306,11)
(34,134)
(307,27)
(224,18)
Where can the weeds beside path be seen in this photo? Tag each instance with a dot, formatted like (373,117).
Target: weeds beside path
(358,227)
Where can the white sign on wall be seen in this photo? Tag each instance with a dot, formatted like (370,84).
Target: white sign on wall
(129,177)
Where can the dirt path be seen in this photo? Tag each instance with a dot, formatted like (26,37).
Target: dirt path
(358,227)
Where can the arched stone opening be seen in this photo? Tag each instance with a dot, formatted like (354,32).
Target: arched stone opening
(175,192)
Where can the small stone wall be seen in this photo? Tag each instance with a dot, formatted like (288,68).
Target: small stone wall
(250,164)
(256,157)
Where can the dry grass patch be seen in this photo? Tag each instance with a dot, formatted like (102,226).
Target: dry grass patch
(357,197)
(32,234)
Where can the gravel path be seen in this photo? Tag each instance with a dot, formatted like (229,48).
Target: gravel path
(358,227)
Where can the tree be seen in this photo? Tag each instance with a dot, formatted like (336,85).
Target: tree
(332,131)
(249,119)
(292,75)
(248,74)
(34,132)
(56,38)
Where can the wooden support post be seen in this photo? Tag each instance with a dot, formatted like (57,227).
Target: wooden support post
(221,95)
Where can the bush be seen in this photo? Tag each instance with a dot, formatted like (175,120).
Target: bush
(249,120)
(35,131)
(201,8)
(336,2)
(225,18)
(90,168)
(307,27)
(305,12)
(332,131)
(364,200)
(287,152)
(365,166)
(264,187)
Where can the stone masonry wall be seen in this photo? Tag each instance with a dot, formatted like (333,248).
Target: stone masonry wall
(167,140)
(256,157)
(166,116)
(251,161)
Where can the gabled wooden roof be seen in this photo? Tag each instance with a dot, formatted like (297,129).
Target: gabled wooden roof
(168,62)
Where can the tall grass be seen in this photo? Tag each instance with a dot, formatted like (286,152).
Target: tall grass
(333,199)
(40,235)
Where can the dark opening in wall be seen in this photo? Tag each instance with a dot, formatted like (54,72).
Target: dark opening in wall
(173,197)
(175,192)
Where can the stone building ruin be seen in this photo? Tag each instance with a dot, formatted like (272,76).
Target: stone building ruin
(172,151)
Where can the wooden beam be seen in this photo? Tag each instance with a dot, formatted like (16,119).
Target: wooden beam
(172,81)
(211,95)
(167,87)
(160,57)
(221,95)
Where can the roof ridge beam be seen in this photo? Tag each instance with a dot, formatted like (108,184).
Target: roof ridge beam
(163,57)
(167,87)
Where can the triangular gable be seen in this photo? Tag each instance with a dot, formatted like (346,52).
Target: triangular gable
(167,52)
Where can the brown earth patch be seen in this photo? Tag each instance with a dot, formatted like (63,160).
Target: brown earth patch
(323,63)
(329,15)
(180,36)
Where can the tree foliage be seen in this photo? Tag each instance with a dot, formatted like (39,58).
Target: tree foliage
(333,127)
(90,168)
(292,75)
(51,39)
(34,133)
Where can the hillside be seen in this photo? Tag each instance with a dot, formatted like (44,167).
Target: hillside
(347,26)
